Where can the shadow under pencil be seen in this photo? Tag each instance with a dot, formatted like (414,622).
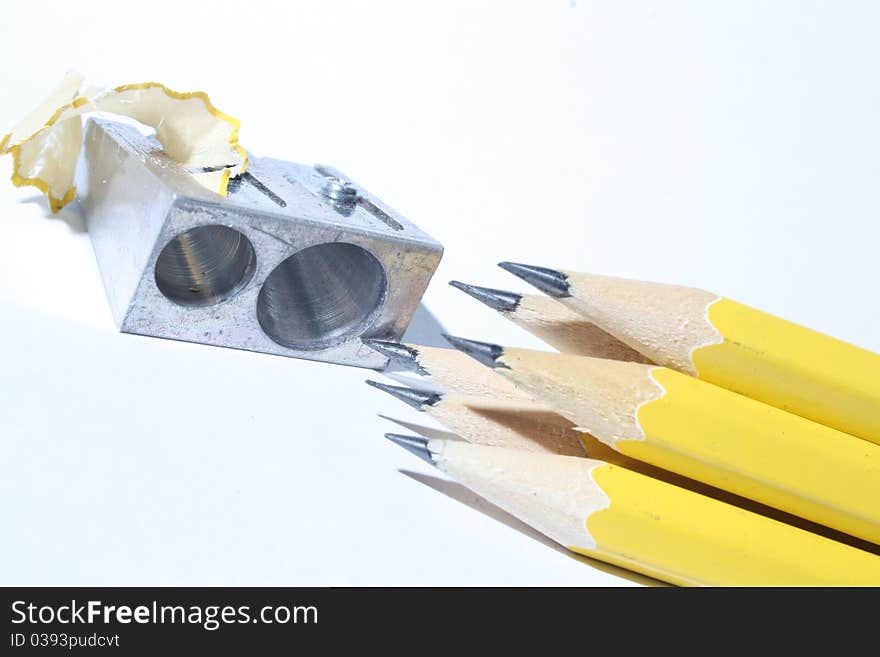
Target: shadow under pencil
(422,430)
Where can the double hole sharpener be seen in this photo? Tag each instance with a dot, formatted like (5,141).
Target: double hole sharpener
(296,261)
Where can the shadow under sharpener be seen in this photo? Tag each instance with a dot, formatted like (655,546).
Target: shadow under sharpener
(296,261)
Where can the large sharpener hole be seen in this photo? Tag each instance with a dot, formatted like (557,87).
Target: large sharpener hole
(205,265)
(321,295)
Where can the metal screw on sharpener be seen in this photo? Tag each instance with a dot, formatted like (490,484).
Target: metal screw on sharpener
(296,260)
(342,194)
(339,190)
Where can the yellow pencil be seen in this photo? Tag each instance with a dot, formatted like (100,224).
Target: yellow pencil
(729,344)
(705,432)
(610,513)
(557,325)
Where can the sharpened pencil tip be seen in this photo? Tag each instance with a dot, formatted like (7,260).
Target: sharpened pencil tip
(415,398)
(413,444)
(483,352)
(499,300)
(549,281)
(400,357)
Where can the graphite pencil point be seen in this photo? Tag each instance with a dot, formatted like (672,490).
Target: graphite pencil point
(413,444)
(500,300)
(415,398)
(483,352)
(399,355)
(549,281)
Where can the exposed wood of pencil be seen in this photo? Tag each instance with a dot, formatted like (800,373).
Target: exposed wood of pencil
(664,322)
(554,323)
(622,517)
(456,374)
(568,331)
(712,435)
(509,424)
(452,371)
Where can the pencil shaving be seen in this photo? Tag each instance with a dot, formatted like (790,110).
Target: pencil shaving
(46,144)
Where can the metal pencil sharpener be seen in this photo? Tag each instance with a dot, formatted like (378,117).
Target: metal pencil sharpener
(296,260)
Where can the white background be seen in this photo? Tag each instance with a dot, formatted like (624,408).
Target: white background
(731,146)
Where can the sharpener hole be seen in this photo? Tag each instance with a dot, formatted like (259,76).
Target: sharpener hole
(205,265)
(320,295)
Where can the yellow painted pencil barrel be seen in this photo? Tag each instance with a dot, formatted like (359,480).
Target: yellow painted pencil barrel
(688,539)
(793,368)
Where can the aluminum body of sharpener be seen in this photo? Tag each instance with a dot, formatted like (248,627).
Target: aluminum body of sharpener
(296,261)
